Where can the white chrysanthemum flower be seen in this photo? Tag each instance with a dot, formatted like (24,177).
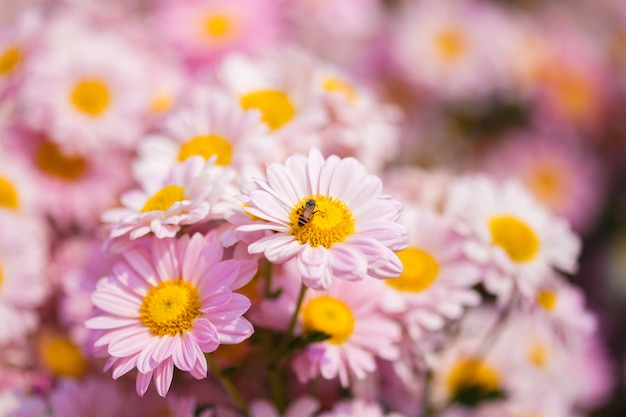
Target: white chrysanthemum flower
(217,126)
(519,241)
(196,190)
(330,215)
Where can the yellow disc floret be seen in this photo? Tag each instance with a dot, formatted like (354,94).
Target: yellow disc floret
(328,315)
(218,26)
(451,44)
(164,198)
(9,60)
(547,299)
(330,222)
(517,239)
(62,357)
(207,146)
(91,96)
(8,195)
(335,85)
(170,308)
(420,271)
(53,161)
(538,355)
(472,373)
(275,106)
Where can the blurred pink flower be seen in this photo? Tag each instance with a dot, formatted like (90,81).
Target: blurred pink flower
(167,305)
(74,398)
(350,232)
(300,407)
(358,408)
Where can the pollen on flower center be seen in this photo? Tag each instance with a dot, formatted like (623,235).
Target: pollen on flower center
(51,160)
(331,221)
(9,60)
(335,85)
(420,271)
(206,146)
(8,195)
(170,307)
(275,106)
(62,357)
(451,44)
(517,239)
(164,198)
(473,373)
(547,299)
(91,96)
(329,315)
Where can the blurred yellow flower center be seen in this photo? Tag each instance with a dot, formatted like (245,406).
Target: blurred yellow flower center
(164,413)
(1,276)
(170,307)
(218,26)
(538,355)
(547,183)
(162,103)
(335,85)
(329,315)
(451,44)
(62,357)
(420,271)
(206,146)
(51,160)
(9,59)
(472,373)
(275,106)
(517,239)
(8,195)
(164,198)
(91,96)
(574,93)
(547,299)
(329,222)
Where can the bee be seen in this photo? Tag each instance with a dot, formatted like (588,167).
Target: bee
(306,212)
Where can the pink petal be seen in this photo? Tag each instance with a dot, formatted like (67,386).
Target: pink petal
(165,259)
(205,334)
(143,382)
(236,332)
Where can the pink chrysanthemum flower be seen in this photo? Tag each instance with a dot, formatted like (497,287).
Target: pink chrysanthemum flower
(194,191)
(301,407)
(519,242)
(23,288)
(330,215)
(217,126)
(359,332)
(16,44)
(79,398)
(166,305)
(437,280)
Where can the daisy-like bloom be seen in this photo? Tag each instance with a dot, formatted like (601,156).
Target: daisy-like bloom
(449,47)
(328,214)
(426,188)
(518,241)
(17,194)
(86,102)
(63,182)
(16,44)
(358,124)
(560,173)
(300,407)
(204,30)
(437,280)
(73,397)
(23,288)
(359,332)
(166,305)
(216,127)
(358,407)
(195,190)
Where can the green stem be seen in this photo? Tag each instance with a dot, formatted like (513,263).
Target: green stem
(284,343)
(227,384)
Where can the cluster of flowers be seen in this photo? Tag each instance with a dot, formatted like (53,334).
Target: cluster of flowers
(226,206)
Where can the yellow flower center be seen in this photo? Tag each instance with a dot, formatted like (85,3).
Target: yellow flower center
(91,96)
(328,315)
(206,146)
(451,44)
(161,103)
(547,299)
(218,26)
(335,85)
(9,60)
(170,307)
(420,271)
(1,276)
(8,195)
(538,355)
(164,198)
(575,94)
(164,413)
(547,183)
(51,160)
(62,357)
(474,373)
(276,108)
(329,222)
(517,239)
